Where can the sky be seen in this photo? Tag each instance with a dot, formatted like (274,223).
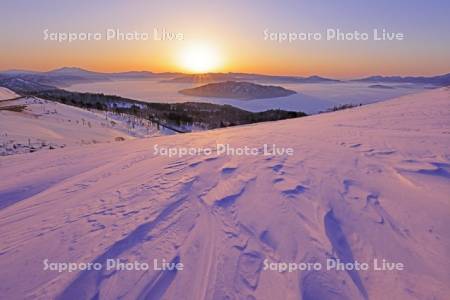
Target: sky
(228,36)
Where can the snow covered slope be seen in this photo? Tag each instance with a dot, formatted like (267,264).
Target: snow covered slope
(7,94)
(44,124)
(370,182)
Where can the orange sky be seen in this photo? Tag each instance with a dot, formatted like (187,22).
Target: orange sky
(235,29)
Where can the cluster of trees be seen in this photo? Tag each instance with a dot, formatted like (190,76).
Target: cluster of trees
(342,107)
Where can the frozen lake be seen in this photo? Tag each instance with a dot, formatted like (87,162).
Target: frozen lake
(310,98)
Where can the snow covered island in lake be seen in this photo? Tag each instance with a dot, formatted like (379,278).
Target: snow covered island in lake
(238,90)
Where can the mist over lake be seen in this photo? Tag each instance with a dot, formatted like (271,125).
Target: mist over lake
(310,97)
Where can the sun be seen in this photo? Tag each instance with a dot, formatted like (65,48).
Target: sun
(199,58)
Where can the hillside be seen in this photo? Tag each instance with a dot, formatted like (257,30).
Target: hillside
(6,94)
(363,183)
(31,124)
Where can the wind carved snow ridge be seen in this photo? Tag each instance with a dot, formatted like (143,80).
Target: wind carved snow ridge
(87,283)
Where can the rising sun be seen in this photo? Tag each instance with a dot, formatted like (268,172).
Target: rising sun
(199,58)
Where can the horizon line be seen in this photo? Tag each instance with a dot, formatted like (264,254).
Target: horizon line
(218,72)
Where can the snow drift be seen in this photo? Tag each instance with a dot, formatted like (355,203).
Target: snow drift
(365,183)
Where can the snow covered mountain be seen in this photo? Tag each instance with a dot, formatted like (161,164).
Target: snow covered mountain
(365,183)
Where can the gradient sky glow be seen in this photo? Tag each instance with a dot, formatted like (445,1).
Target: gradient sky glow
(235,29)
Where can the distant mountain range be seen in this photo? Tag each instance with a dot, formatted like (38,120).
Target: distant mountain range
(67,76)
(238,90)
(27,80)
(440,80)
(72,75)
(218,77)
